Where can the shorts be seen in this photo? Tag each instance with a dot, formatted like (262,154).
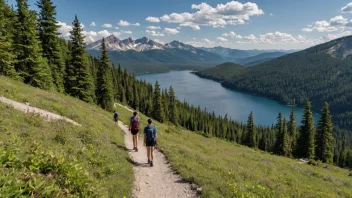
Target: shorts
(150,143)
(116,119)
(134,132)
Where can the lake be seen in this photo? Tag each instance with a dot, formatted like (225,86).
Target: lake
(210,94)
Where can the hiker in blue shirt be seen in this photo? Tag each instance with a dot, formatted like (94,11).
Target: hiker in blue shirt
(116,117)
(150,140)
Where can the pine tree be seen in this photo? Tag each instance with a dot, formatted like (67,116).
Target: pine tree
(104,92)
(279,135)
(286,146)
(173,106)
(324,138)
(7,16)
(251,136)
(47,28)
(79,82)
(158,111)
(30,65)
(307,134)
(292,130)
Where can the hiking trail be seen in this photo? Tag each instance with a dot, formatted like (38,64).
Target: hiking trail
(158,181)
(28,109)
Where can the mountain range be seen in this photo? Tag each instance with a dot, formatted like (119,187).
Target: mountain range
(145,55)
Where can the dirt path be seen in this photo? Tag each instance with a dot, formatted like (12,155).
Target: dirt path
(28,109)
(158,181)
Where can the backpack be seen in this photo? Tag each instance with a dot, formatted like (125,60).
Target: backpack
(116,115)
(135,123)
(150,134)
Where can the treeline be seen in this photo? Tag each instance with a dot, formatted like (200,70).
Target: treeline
(32,51)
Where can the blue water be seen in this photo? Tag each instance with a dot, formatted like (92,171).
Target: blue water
(210,94)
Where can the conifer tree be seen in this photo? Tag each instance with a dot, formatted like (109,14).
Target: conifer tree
(307,134)
(30,64)
(158,111)
(324,138)
(7,17)
(292,130)
(48,34)
(279,135)
(173,106)
(286,146)
(79,82)
(104,92)
(251,136)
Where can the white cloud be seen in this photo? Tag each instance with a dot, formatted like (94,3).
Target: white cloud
(250,37)
(107,26)
(334,24)
(125,23)
(83,26)
(330,37)
(307,30)
(153,27)
(64,29)
(159,41)
(92,36)
(171,31)
(232,35)
(202,43)
(117,34)
(152,19)
(92,24)
(271,14)
(347,8)
(126,32)
(154,33)
(116,28)
(178,28)
(222,39)
(232,12)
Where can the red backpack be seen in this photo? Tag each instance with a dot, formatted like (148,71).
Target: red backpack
(135,123)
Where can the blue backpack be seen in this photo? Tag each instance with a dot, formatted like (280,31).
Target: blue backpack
(150,136)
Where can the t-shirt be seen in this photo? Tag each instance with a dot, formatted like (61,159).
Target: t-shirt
(150,132)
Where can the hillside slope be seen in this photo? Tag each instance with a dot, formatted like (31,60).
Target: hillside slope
(226,169)
(321,74)
(260,58)
(57,159)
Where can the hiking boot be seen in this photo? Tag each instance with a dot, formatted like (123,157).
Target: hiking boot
(151,163)
(136,149)
(148,161)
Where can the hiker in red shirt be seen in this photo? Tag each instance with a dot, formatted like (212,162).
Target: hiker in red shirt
(133,126)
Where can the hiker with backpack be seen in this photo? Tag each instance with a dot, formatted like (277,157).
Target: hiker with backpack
(133,126)
(116,117)
(150,140)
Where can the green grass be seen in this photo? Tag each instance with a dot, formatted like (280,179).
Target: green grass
(227,169)
(56,159)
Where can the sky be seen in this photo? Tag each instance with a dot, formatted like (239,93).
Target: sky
(255,24)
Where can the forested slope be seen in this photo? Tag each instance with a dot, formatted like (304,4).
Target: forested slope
(320,74)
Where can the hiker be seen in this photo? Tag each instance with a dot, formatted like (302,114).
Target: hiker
(116,117)
(133,126)
(150,140)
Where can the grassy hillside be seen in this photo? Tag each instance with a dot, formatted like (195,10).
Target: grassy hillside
(225,169)
(57,159)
